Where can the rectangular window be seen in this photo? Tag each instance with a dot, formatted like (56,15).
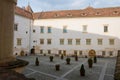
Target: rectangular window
(41,51)
(49,51)
(84,28)
(105,28)
(64,29)
(48,41)
(77,41)
(16,27)
(111,41)
(69,41)
(99,41)
(88,41)
(33,30)
(75,52)
(61,41)
(41,29)
(49,29)
(19,41)
(41,41)
(80,52)
(60,52)
(103,53)
(111,53)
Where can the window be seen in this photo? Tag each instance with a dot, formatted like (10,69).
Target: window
(41,41)
(105,28)
(33,30)
(64,29)
(16,27)
(19,40)
(97,13)
(111,53)
(69,41)
(111,41)
(56,15)
(49,51)
(26,32)
(49,29)
(75,52)
(69,14)
(88,41)
(103,53)
(41,29)
(60,52)
(84,28)
(80,52)
(48,41)
(77,41)
(41,51)
(99,41)
(83,14)
(61,41)
(116,12)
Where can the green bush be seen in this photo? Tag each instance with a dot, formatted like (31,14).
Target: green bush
(90,62)
(68,60)
(82,70)
(51,58)
(37,61)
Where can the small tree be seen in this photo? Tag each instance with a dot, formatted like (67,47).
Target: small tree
(68,60)
(37,61)
(95,59)
(57,67)
(82,70)
(90,62)
(51,58)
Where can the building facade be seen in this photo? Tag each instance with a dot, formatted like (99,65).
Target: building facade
(70,31)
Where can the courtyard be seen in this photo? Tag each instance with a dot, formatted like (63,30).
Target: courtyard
(102,70)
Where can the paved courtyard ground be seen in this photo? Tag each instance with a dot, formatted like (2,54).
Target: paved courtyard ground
(102,70)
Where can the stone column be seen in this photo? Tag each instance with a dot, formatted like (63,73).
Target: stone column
(6,30)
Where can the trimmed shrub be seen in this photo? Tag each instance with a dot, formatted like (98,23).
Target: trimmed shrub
(82,70)
(90,62)
(57,67)
(68,60)
(51,58)
(37,61)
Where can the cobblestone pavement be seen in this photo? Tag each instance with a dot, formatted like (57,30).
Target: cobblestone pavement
(102,70)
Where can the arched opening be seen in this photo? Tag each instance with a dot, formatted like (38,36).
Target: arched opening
(92,53)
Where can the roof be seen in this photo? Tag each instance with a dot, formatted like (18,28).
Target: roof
(28,8)
(23,12)
(88,12)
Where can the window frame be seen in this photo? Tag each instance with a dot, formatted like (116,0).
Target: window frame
(88,41)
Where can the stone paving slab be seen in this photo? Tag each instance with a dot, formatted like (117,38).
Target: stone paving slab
(27,71)
(49,69)
(108,77)
(39,76)
(103,69)
(75,75)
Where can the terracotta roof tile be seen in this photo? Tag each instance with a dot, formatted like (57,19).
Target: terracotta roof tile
(88,12)
(23,12)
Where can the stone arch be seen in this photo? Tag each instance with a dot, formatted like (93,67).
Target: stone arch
(92,53)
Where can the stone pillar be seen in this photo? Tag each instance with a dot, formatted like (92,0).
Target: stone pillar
(6,30)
